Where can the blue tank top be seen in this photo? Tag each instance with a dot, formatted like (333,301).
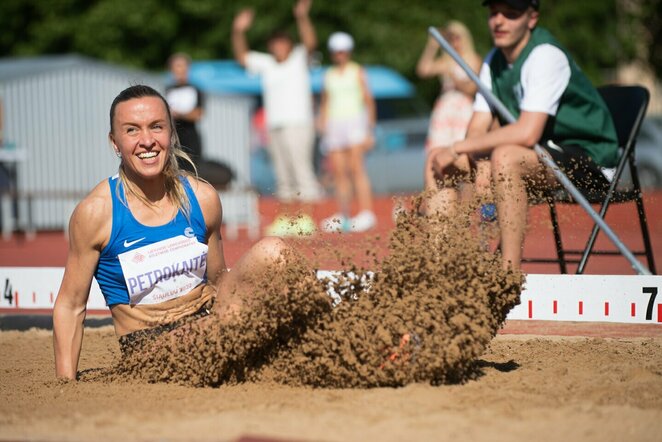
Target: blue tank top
(136,244)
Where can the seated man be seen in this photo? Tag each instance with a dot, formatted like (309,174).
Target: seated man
(554,104)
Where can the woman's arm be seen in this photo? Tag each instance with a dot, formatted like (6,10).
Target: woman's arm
(465,84)
(85,243)
(323,112)
(213,215)
(368,99)
(428,64)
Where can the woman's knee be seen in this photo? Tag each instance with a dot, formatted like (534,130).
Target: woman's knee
(516,163)
(264,255)
(357,172)
(269,250)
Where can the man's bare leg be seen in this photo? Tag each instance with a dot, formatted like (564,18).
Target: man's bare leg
(512,167)
(443,200)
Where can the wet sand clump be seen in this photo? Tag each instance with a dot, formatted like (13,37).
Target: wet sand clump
(426,313)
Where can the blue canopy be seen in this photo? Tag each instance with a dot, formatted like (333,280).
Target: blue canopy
(228,77)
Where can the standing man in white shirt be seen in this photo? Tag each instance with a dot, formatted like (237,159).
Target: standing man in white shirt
(555,106)
(288,104)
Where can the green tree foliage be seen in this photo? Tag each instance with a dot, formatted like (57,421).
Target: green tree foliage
(643,19)
(143,33)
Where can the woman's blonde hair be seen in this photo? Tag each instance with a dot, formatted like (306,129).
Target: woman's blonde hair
(458,28)
(173,185)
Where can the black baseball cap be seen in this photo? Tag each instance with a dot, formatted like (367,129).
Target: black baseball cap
(517,4)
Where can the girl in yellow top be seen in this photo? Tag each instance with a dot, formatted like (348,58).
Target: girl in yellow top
(346,121)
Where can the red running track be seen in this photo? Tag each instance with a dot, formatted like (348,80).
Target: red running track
(50,248)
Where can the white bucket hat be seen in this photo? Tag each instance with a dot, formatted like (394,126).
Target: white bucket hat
(341,42)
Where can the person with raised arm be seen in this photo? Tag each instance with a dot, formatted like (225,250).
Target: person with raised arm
(288,104)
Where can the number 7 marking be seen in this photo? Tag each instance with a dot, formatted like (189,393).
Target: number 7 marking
(651,301)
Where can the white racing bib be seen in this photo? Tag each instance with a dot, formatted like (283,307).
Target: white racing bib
(164,270)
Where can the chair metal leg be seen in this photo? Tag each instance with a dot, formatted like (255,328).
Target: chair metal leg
(643,222)
(557,238)
(594,234)
(588,249)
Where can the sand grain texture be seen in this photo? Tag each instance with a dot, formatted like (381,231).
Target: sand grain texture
(530,389)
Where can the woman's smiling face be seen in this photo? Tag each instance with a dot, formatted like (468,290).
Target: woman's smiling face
(141,134)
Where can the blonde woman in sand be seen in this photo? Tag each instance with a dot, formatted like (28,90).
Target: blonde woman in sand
(150,236)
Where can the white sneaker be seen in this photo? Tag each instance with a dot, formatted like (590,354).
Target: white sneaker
(335,223)
(365,220)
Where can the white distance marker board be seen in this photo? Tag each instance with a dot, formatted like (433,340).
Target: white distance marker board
(590,298)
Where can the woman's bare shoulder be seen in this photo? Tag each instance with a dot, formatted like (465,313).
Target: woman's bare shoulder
(206,194)
(97,200)
(93,214)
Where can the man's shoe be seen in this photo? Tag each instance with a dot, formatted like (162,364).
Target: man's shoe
(365,220)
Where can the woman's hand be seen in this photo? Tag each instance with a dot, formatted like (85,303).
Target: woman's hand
(369,142)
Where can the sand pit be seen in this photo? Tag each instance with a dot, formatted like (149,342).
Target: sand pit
(417,349)
(531,389)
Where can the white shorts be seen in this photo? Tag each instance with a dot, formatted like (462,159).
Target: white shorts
(344,134)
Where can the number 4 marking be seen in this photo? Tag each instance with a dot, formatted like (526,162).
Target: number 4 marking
(651,301)
(8,292)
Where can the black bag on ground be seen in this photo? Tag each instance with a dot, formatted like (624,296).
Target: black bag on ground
(216,173)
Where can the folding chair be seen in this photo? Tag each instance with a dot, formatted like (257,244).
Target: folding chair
(627,105)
